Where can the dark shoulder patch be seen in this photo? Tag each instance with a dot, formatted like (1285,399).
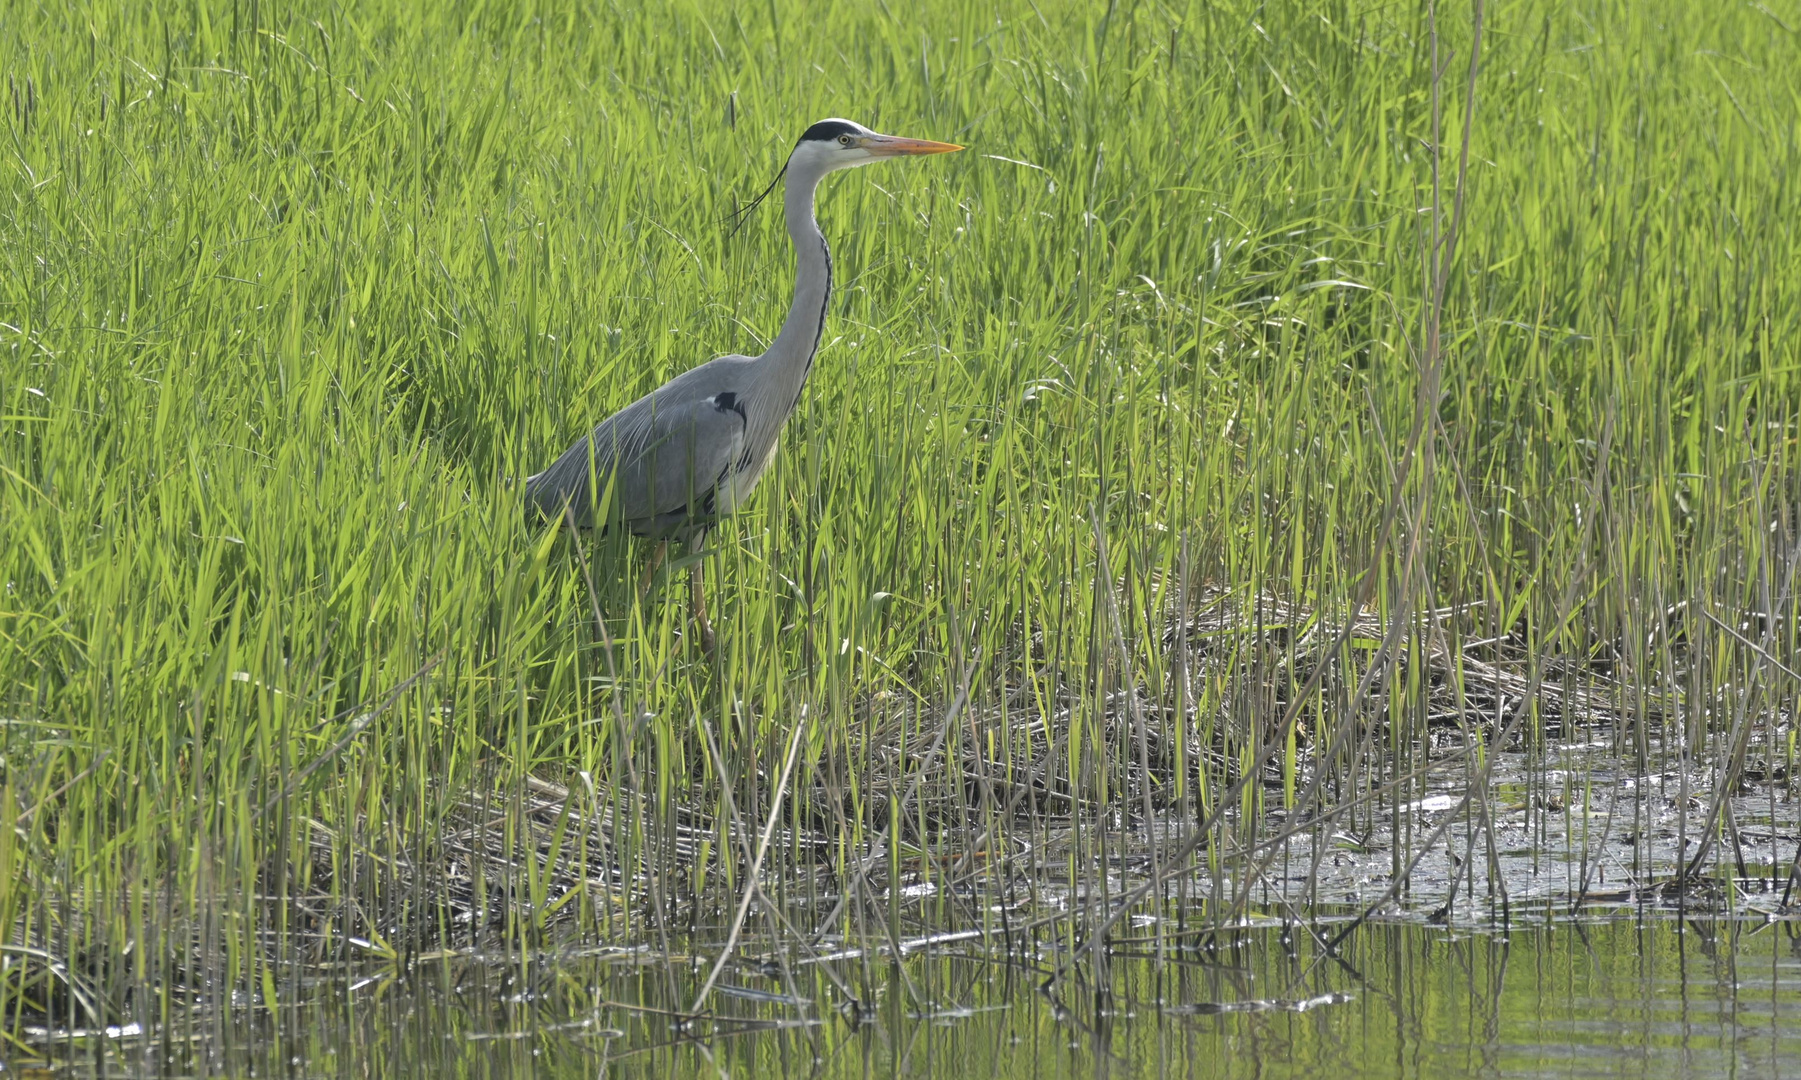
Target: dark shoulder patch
(827,130)
(728,402)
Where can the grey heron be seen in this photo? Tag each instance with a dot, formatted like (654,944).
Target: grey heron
(675,461)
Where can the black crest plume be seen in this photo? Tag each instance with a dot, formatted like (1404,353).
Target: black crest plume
(742,214)
(823,131)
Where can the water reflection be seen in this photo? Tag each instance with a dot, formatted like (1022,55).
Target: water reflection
(1612,998)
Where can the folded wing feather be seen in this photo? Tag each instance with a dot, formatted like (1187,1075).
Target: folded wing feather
(656,466)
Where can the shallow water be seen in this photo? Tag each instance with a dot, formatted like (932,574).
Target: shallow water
(1617,997)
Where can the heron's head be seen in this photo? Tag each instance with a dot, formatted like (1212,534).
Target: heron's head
(836,144)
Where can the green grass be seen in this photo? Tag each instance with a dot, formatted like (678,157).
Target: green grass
(291,294)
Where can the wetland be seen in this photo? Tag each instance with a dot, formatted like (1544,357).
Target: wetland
(1285,563)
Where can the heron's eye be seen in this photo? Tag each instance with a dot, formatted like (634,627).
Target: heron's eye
(845,140)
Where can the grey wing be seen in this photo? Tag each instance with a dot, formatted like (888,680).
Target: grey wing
(654,466)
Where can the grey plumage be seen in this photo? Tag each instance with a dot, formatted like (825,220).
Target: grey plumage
(691,451)
(669,463)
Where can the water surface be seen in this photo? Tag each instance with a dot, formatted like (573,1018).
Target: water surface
(1642,995)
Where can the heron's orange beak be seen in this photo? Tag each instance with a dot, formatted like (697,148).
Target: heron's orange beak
(895,146)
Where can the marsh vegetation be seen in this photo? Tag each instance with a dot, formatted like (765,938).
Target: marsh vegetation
(1282,474)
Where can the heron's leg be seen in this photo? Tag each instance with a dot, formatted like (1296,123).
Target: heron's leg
(651,570)
(700,606)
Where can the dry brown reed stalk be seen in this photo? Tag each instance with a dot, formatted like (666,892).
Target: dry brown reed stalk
(756,866)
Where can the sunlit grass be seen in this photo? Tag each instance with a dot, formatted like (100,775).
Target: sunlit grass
(291,296)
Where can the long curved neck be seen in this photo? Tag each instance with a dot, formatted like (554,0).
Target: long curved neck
(790,356)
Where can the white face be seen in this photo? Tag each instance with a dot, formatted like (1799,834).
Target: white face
(846,150)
